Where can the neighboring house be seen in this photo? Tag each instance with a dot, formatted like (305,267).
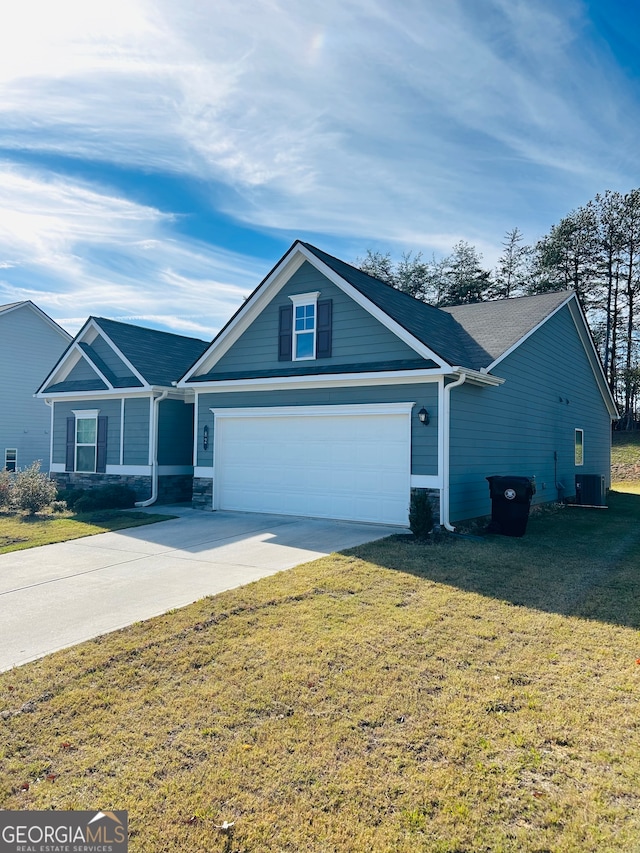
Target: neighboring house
(116,414)
(30,342)
(308,402)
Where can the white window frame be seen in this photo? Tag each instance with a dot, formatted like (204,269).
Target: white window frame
(86,415)
(14,461)
(302,300)
(579,461)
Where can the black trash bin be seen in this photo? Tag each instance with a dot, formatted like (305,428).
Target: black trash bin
(510,502)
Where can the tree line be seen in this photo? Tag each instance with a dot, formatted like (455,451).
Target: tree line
(594,250)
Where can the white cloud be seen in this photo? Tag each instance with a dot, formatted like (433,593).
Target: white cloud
(369,119)
(77,252)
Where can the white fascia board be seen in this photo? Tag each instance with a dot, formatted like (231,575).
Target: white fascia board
(121,355)
(337,380)
(327,410)
(372,309)
(248,312)
(530,332)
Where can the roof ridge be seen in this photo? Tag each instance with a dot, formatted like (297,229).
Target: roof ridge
(147,329)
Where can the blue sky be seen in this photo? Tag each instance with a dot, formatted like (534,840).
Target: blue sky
(157,158)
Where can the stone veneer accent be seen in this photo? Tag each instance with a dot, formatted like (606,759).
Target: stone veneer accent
(202,497)
(171,489)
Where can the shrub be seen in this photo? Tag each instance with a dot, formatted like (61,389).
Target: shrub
(70,495)
(106,497)
(32,489)
(5,488)
(420,515)
(58,506)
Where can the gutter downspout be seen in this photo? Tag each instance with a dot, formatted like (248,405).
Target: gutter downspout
(447,441)
(154,452)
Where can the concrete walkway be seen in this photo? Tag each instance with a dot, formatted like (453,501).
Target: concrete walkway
(59,595)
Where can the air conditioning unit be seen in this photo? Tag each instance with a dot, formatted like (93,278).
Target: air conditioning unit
(591,490)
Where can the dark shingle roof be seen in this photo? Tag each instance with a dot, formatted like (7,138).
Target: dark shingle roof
(128,381)
(316,368)
(497,326)
(73,385)
(161,357)
(471,336)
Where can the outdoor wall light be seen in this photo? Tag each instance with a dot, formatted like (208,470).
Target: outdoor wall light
(423,416)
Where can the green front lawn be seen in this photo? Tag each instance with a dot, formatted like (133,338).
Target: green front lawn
(18,530)
(462,696)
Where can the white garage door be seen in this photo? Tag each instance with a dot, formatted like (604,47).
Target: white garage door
(349,462)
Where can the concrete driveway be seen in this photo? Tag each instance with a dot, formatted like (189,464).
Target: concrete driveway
(59,595)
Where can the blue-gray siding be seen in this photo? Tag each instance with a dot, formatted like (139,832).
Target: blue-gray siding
(424,453)
(175,433)
(83,371)
(136,431)
(515,429)
(29,348)
(64,410)
(357,336)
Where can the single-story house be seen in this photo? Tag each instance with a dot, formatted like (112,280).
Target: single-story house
(331,394)
(30,341)
(116,415)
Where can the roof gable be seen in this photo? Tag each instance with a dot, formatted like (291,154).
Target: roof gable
(82,376)
(288,266)
(360,341)
(119,356)
(160,358)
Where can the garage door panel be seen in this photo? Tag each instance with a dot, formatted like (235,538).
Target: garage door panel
(331,466)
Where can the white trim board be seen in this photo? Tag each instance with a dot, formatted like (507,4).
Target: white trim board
(316,411)
(426,481)
(204,472)
(335,380)
(129,470)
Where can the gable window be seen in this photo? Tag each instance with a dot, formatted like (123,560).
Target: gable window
(579,446)
(10,459)
(305,306)
(305,328)
(86,442)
